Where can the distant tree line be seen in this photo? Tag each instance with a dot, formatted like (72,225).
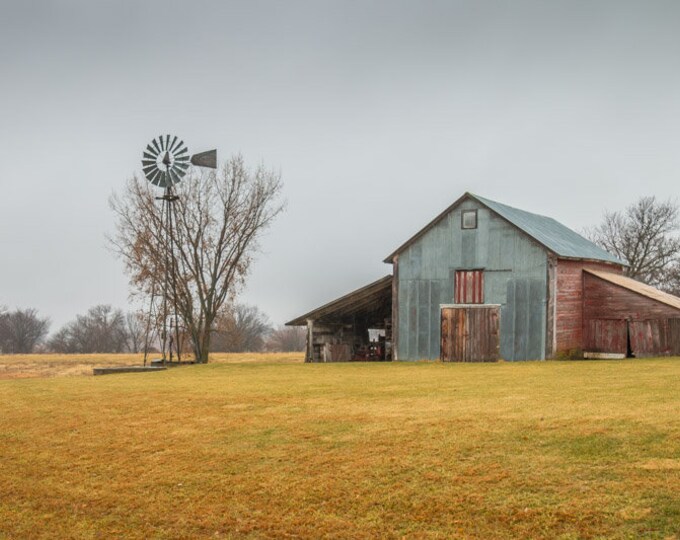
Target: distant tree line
(103,329)
(243,328)
(21,330)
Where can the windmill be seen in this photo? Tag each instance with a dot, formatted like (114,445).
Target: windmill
(165,162)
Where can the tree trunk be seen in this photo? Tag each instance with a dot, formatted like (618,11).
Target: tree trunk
(202,347)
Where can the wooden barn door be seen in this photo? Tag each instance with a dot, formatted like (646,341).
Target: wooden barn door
(470,333)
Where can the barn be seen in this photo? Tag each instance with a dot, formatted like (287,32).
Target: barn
(484,281)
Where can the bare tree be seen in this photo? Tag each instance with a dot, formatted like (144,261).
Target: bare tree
(21,330)
(287,339)
(135,330)
(643,235)
(240,328)
(220,216)
(101,330)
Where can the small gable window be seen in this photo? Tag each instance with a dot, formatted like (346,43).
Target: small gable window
(468,219)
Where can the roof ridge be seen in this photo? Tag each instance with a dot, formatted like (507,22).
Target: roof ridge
(485,199)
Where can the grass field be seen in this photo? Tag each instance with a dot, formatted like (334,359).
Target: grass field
(26,366)
(272,448)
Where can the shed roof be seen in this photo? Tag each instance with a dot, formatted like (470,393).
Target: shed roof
(637,287)
(551,234)
(363,300)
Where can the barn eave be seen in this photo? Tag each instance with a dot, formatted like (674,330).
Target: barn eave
(362,300)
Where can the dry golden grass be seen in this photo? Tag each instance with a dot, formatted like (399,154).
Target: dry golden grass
(267,450)
(24,366)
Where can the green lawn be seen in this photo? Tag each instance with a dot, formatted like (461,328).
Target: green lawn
(421,450)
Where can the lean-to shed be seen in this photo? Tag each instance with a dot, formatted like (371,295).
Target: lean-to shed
(341,329)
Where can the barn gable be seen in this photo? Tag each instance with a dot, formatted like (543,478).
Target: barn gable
(549,233)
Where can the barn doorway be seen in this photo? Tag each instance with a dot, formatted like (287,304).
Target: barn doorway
(470,333)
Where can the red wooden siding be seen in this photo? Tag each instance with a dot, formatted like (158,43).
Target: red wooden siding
(655,337)
(470,334)
(606,336)
(569,301)
(469,287)
(652,326)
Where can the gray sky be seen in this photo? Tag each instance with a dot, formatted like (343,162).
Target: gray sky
(378,115)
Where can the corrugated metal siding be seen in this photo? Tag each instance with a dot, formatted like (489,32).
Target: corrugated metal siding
(515,276)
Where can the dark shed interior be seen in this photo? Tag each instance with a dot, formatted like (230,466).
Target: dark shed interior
(357,326)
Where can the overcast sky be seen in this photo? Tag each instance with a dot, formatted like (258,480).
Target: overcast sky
(378,115)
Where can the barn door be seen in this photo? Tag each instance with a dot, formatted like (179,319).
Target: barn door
(470,333)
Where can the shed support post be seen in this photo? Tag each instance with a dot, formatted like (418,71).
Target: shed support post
(309,354)
(395,308)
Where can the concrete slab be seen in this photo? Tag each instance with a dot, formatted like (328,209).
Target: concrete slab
(125,369)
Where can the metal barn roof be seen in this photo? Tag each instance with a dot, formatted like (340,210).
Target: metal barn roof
(637,287)
(554,236)
(361,301)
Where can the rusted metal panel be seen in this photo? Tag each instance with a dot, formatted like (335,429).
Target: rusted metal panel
(606,336)
(469,286)
(470,333)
